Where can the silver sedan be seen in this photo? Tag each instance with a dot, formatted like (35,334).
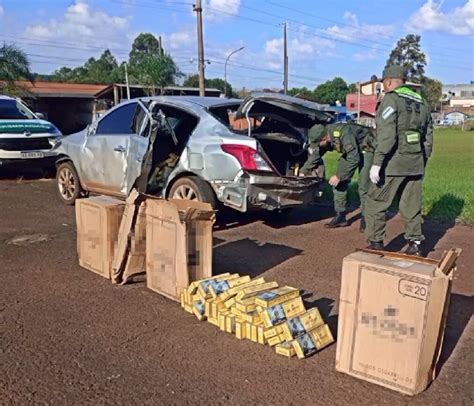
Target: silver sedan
(244,154)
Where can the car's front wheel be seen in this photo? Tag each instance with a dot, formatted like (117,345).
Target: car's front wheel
(193,188)
(67,181)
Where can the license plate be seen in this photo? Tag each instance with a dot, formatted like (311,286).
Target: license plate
(34,154)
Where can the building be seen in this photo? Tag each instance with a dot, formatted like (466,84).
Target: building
(454,118)
(72,106)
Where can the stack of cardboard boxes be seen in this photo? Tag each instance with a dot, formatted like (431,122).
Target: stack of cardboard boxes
(259,311)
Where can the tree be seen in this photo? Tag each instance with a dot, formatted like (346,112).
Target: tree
(14,65)
(302,92)
(408,54)
(353,88)
(144,46)
(431,91)
(158,72)
(331,91)
(216,83)
(102,70)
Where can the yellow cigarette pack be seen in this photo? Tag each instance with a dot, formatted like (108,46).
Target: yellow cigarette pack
(222,321)
(213,321)
(261,335)
(250,307)
(239,329)
(218,287)
(203,286)
(282,312)
(285,348)
(230,324)
(253,317)
(248,331)
(272,332)
(229,303)
(193,286)
(276,296)
(297,326)
(313,341)
(198,310)
(234,290)
(274,341)
(253,290)
(188,308)
(253,333)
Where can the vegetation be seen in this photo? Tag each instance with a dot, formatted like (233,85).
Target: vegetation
(14,65)
(448,188)
(329,92)
(408,53)
(216,83)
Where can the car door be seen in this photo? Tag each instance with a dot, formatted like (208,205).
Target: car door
(113,151)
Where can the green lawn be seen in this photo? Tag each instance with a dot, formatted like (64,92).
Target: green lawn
(449,182)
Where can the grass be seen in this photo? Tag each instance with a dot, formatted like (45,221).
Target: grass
(448,187)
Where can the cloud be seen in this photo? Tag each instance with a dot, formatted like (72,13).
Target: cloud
(458,21)
(2,11)
(354,30)
(80,23)
(218,10)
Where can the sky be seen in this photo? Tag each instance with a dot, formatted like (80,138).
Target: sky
(351,39)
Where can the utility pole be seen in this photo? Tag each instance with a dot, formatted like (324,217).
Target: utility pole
(358,102)
(198,10)
(285,58)
(160,46)
(126,81)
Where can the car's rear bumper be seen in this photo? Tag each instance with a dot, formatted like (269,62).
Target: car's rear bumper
(251,191)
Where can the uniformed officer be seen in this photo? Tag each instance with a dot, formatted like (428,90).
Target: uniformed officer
(319,144)
(356,144)
(404,144)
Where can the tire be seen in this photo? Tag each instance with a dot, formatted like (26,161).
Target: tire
(68,183)
(193,188)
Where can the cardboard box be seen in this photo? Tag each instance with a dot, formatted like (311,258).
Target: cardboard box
(392,316)
(178,244)
(276,296)
(282,312)
(98,221)
(286,349)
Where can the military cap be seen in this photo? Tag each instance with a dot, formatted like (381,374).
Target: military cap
(394,72)
(316,133)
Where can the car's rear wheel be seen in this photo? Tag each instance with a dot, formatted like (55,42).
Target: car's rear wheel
(67,181)
(193,188)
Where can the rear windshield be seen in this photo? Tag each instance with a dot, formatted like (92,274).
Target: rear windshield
(14,110)
(226,115)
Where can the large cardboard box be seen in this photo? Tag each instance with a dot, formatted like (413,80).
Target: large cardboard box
(178,244)
(98,221)
(392,314)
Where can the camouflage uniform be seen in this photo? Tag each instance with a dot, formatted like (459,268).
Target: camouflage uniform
(404,143)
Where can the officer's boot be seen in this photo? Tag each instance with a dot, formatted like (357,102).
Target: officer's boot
(362,225)
(413,248)
(338,221)
(376,245)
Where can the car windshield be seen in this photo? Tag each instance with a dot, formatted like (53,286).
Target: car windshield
(13,110)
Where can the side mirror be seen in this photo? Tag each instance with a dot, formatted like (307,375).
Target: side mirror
(40,115)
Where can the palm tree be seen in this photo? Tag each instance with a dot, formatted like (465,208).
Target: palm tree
(14,65)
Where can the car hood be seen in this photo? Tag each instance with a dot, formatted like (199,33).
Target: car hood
(298,112)
(35,126)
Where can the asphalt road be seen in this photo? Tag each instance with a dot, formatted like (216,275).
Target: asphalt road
(68,336)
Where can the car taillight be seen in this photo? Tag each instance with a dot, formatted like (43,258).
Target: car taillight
(248,157)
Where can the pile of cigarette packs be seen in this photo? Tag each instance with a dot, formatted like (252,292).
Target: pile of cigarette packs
(259,311)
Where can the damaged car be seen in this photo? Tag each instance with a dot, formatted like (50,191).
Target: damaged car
(244,154)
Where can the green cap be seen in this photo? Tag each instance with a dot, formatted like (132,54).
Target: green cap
(394,72)
(316,133)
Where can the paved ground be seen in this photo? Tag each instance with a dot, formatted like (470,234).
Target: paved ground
(68,336)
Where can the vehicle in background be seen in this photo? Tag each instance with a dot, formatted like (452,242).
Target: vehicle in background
(25,137)
(242,154)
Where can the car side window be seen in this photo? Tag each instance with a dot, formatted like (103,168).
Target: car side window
(119,121)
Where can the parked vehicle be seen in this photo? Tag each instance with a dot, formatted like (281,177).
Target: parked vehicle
(24,135)
(243,154)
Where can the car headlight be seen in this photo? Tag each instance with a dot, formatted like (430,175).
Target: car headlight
(54,141)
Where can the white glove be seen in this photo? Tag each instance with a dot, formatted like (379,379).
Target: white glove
(375,174)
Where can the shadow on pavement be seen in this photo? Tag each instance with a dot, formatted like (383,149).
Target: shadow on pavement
(19,172)
(250,257)
(448,206)
(461,310)
(228,219)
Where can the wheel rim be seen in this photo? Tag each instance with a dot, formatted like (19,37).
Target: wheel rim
(185,192)
(66,184)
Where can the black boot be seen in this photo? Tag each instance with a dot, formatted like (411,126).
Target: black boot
(413,248)
(338,221)
(362,225)
(376,245)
